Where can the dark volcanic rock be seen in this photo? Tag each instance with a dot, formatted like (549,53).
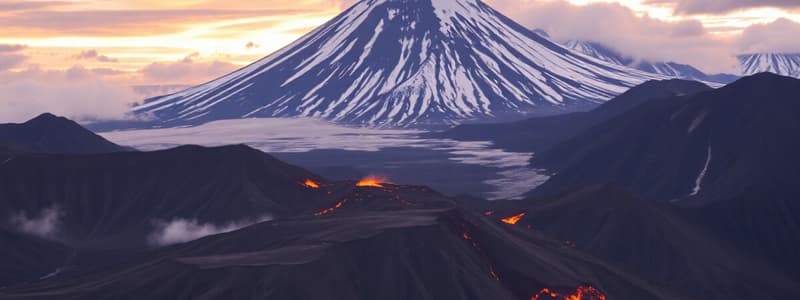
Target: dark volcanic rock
(112,200)
(711,146)
(650,240)
(441,253)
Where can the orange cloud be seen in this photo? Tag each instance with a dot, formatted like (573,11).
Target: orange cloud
(186,70)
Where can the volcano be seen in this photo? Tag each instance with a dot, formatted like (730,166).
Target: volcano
(409,63)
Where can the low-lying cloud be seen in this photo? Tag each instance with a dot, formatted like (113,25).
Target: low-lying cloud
(689,7)
(96,94)
(78,93)
(44,224)
(639,36)
(179,230)
(778,36)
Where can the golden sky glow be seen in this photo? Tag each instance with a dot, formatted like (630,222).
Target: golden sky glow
(132,35)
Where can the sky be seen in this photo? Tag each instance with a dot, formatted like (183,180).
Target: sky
(81,58)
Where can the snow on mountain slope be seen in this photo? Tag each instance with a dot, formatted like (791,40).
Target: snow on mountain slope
(781,64)
(404,63)
(598,51)
(668,69)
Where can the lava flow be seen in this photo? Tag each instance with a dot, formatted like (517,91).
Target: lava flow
(583,292)
(331,209)
(372,181)
(311,184)
(513,219)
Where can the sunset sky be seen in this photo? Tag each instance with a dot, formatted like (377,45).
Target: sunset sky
(106,44)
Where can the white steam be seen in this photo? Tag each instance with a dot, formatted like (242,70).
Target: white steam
(45,224)
(179,231)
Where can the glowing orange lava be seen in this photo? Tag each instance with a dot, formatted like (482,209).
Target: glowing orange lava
(311,184)
(513,219)
(331,209)
(583,292)
(372,181)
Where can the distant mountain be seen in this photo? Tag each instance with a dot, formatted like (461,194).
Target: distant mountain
(669,69)
(685,129)
(728,153)
(538,134)
(51,134)
(599,51)
(649,240)
(417,63)
(786,64)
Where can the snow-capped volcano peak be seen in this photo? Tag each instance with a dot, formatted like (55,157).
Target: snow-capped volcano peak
(404,63)
(785,64)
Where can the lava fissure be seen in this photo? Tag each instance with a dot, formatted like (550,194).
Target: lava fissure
(372,181)
(331,209)
(582,292)
(513,219)
(311,184)
(467,237)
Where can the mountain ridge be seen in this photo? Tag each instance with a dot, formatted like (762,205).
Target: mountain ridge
(48,133)
(538,134)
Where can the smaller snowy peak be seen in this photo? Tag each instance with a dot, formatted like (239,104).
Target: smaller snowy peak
(598,51)
(668,69)
(786,64)
(541,33)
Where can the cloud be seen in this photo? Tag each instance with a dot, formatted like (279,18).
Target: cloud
(129,21)
(94,55)
(251,45)
(78,93)
(186,70)
(149,91)
(778,36)
(27,5)
(11,48)
(9,56)
(179,230)
(345,4)
(689,7)
(641,37)
(8,61)
(45,224)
